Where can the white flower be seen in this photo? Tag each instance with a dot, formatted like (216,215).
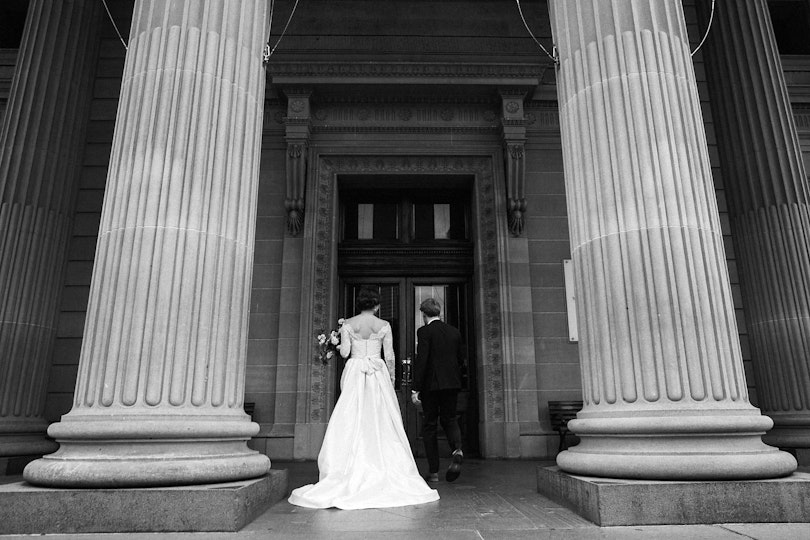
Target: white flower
(329,355)
(341,321)
(322,339)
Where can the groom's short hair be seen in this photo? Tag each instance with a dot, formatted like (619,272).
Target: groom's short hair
(430,307)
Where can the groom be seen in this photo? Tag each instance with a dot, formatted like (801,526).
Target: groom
(440,356)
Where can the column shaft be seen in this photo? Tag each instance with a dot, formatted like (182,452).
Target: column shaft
(159,395)
(663,384)
(40,145)
(767,185)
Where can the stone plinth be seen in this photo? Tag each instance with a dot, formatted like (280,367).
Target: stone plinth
(614,502)
(26,509)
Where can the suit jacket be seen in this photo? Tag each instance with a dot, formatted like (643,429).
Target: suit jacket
(440,357)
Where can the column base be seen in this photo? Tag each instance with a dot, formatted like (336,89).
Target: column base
(677,447)
(26,444)
(615,502)
(789,436)
(148,452)
(24,437)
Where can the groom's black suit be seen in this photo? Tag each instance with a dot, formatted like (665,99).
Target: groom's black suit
(440,357)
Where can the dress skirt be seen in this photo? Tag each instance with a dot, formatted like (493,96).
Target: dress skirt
(366,459)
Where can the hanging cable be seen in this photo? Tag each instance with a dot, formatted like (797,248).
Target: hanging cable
(709,27)
(268,52)
(553,57)
(115,26)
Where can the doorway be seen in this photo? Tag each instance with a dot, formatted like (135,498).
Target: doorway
(412,240)
(399,305)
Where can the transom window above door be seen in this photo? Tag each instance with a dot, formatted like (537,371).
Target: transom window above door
(404,210)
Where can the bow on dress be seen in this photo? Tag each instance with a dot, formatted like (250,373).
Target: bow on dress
(369,365)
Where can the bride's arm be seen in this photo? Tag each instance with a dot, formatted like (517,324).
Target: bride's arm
(388,352)
(345,341)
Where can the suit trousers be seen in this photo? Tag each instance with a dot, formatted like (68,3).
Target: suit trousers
(439,406)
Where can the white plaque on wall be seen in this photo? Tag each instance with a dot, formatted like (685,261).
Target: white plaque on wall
(570,301)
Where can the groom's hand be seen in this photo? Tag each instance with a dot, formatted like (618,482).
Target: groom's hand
(415,398)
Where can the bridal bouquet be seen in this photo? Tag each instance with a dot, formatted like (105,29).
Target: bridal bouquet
(328,343)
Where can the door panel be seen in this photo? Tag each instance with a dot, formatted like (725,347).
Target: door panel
(453,295)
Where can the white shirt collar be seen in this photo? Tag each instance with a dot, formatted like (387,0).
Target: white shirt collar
(431,319)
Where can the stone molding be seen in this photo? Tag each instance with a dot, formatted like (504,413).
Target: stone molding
(444,73)
(398,116)
(323,258)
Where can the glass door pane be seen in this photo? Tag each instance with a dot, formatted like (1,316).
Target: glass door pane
(421,293)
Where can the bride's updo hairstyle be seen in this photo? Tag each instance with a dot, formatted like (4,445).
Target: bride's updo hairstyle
(367,298)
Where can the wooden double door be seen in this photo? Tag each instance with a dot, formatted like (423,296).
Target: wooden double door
(400,298)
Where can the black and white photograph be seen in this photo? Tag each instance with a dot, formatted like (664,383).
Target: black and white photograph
(405,269)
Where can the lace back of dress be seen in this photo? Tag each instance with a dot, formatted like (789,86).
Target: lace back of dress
(371,347)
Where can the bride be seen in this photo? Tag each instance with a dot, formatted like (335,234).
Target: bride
(366,460)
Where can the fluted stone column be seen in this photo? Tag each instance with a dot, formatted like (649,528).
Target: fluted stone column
(159,395)
(767,189)
(663,384)
(40,149)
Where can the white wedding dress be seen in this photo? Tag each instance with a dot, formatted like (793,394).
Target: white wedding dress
(365,460)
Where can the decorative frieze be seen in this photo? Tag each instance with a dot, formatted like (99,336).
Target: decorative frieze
(403,115)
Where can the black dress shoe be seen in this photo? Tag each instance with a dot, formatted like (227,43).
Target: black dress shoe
(455,466)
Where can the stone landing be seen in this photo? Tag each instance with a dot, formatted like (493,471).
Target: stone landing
(26,509)
(613,502)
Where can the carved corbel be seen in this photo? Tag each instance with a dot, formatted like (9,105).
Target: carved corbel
(515,190)
(514,138)
(297,124)
(296,182)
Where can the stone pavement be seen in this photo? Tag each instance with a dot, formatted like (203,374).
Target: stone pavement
(492,500)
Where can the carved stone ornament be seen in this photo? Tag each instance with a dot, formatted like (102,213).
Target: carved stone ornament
(296,180)
(515,173)
(297,127)
(487,282)
(297,105)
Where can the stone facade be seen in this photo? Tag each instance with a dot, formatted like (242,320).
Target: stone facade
(412,89)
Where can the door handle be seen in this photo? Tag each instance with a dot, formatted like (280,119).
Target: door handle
(407,372)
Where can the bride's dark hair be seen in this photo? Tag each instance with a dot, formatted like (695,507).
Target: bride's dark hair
(367,298)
